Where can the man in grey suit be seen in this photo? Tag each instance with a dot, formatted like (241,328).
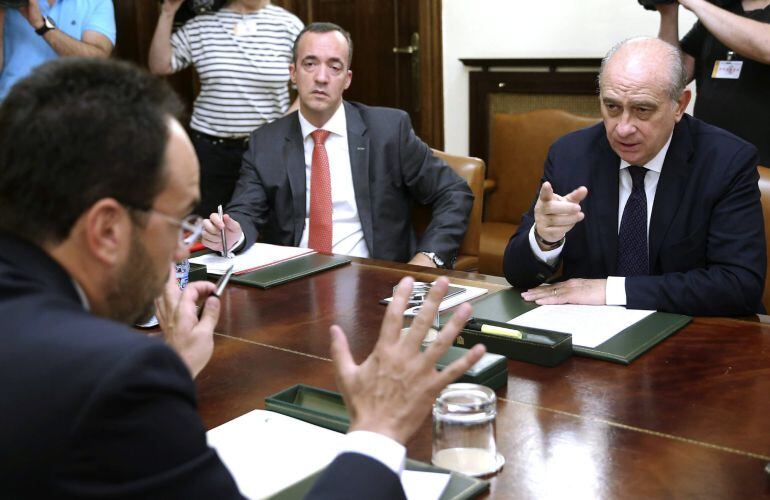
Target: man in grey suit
(341,177)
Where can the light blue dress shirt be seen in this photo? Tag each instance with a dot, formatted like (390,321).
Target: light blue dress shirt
(23,49)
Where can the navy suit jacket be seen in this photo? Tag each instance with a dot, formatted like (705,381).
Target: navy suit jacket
(706,236)
(391,169)
(91,408)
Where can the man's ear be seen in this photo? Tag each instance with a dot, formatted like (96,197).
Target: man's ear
(681,105)
(293,73)
(349,79)
(106,226)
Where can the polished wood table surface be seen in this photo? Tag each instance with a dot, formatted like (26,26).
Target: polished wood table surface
(688,419)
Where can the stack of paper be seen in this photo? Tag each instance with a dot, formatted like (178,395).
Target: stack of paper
(258,256)
(590,326)
(267,452)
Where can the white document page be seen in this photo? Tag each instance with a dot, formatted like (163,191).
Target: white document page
(267,452)
(590,326)
(259,255)
(469,293)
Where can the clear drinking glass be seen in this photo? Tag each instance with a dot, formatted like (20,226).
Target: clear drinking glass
(464,430)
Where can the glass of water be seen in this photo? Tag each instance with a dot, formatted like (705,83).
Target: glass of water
(464,430)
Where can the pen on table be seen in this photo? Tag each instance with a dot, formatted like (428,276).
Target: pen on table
(478,325)
(220,287)
(225,253)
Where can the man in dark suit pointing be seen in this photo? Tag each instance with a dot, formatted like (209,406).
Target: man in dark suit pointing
(652,209)
(341,177)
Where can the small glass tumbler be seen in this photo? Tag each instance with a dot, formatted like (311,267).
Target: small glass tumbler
(464,430)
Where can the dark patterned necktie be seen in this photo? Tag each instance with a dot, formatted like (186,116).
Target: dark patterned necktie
(633,259)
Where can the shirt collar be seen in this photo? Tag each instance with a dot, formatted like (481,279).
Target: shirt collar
(82,294)
(337,124)
(656,164)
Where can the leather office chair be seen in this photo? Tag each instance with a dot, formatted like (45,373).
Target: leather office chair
(519,144)
(472,170)
(764,190)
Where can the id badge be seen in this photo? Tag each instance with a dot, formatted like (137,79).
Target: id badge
(727,69)
(246,28)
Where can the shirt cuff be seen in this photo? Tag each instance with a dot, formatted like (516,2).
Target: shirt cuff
(615,292)
(238,244)
(548,256)
(381,448)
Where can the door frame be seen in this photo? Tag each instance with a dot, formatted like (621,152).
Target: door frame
(431,73)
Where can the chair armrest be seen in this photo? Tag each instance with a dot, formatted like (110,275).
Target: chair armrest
(489,185)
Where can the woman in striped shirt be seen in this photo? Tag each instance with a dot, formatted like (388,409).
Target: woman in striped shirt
(241,53)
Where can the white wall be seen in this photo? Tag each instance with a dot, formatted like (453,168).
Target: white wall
(530,29)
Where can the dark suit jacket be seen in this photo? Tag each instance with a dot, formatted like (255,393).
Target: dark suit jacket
(391,169)
(92,408)
(706,238)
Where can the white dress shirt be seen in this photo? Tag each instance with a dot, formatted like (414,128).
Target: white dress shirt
(347,233)
(615,291)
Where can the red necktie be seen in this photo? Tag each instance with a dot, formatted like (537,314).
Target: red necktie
(320,238)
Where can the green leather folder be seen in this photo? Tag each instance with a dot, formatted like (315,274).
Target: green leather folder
(623,348)
(293,269)
(460,486)
(491,370)
(327,409)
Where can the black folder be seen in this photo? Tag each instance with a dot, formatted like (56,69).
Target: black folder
(460,487)
(283,272)
(623,348)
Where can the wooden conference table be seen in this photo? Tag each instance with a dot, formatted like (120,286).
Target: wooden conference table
(689,419)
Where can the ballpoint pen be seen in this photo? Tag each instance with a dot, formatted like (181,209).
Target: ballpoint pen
(225,253)
(220,287)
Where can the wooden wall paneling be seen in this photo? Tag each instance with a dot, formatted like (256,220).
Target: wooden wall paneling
(431,127)
(550,80)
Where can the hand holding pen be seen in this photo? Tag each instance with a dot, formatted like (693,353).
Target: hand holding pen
(214,226)
(187,327)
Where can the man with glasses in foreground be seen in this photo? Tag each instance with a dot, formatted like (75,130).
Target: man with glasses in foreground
(93,218)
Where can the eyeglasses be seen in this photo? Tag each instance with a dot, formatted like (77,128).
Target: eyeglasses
(190,228)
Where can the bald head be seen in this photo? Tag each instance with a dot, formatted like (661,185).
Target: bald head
(642,97)
(648,56)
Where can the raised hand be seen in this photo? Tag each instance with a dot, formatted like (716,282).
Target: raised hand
(393,390)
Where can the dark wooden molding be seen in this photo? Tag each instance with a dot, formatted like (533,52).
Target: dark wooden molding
(552,63)
(542,76)
(431,74)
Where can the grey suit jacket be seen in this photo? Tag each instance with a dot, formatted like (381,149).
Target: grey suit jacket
(391,169)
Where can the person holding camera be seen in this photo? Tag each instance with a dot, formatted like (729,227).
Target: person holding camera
(727,52)
(35,31)
(241,53)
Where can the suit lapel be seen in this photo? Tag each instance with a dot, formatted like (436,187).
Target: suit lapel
(673,180)
(358,146)
(604,204)
(294,159)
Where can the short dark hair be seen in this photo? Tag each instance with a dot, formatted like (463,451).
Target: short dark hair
(76,131)
(323,28)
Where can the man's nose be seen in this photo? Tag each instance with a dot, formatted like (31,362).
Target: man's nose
(322,74)
(625,126)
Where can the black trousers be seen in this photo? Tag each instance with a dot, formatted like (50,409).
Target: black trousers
(220,161)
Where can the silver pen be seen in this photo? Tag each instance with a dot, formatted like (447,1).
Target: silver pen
(221,284)
(222,232)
